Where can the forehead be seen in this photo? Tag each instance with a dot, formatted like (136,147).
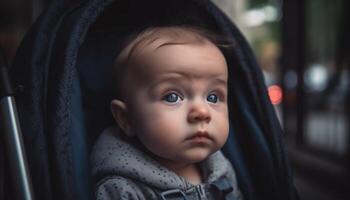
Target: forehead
(180,62)
(166,51)
(192,59)
(154,38)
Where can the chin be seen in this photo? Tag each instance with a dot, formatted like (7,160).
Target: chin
(198,156)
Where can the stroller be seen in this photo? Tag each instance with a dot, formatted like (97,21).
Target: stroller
(62,66)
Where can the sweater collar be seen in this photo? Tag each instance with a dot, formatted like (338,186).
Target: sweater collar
(114,156)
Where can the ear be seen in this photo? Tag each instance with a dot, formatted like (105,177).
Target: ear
(120,114)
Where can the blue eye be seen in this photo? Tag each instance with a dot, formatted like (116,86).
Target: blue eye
(171,98)
(212,98)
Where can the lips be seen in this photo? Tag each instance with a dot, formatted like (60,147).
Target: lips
(200,136)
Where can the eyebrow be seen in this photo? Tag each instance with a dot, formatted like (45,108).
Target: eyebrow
(221,81)
(172,77)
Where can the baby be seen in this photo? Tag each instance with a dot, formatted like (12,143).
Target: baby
(172,115)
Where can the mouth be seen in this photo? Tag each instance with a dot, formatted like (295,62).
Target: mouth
(199,136)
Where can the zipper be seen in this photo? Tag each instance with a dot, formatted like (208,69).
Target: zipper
(201,192)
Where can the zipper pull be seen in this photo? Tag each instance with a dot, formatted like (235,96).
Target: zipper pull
(201,192)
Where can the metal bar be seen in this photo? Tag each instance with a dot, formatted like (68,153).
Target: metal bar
(15,149)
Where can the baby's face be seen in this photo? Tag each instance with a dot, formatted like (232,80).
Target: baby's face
(177,100)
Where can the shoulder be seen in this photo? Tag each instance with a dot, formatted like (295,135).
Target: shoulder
(117,187)
(220,168)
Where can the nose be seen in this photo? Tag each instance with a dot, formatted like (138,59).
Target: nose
(199,113)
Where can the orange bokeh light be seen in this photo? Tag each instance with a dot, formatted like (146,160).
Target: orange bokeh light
(275,94)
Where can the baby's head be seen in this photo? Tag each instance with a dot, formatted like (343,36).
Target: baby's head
(172,93)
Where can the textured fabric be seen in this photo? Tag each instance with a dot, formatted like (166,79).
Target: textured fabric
(53,56)
(122,171)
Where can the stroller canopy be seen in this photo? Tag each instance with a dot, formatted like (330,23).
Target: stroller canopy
(63,65)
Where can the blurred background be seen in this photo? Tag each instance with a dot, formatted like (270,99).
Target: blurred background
(303,49)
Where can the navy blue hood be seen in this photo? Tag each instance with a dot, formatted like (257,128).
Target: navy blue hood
(63,65)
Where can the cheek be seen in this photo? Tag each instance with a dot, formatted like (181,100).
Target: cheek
(159,122)
(222,127)
(161,132)
(225,129)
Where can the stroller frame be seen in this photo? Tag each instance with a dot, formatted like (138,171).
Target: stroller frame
(13,139)
(56,41)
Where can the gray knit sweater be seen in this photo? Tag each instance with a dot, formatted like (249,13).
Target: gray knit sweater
(122,171)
